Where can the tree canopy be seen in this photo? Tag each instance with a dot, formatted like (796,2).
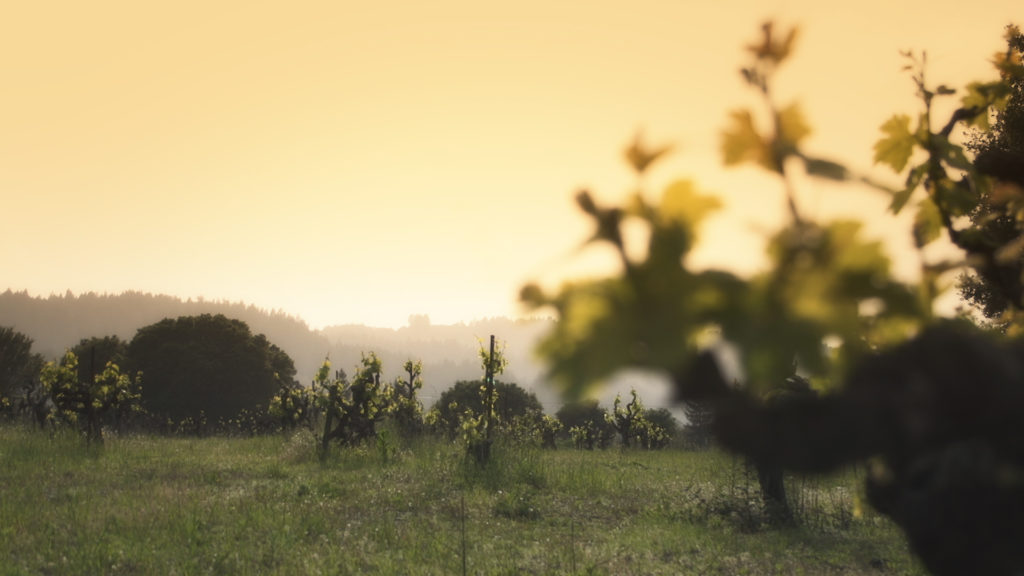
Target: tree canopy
(19,366)
(94,353)
(206,365)
(511,401)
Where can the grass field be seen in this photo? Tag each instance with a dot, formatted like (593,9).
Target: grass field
(266,505)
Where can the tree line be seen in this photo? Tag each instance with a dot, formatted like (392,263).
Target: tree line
(210,374)
(58,322)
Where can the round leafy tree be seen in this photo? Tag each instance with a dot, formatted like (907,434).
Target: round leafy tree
(206,365)
(512,401)
(94,353)
(19,366)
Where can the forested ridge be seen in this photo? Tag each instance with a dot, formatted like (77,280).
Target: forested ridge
(58,322)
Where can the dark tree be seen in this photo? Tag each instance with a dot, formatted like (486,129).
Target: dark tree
(697,430)
(94,353)
(512,402)
(212,366)
(663,419)
(580,413)
(999,152)
(586,424)
(19,369)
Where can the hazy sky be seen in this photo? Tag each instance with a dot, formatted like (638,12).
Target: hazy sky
(358,162)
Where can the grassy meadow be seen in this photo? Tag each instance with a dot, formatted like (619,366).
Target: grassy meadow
(266,505)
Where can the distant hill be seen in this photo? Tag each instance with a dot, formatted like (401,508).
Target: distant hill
(448,352)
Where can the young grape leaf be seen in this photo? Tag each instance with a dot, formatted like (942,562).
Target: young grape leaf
(927,223)
(792,126)
(900,197)
(895,149)
(681,202)
(770,48)
(640,156)
(741,141)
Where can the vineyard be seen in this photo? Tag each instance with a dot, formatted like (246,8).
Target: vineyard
(268,505)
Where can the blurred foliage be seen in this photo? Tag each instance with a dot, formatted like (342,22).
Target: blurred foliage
(827,313)
(821,276)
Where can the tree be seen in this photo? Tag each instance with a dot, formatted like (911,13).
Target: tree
(697,431)
(944,404)
(106,398)
(512,401)
(999,152)
(586,423)
(19,368)
(94,353)
(206,366)
(663,418)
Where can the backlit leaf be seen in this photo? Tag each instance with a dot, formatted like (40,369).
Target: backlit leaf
(771,47)
(681,202)
(900,198)
(895,149)
(985,96)
(792,126)
(741,141)
(640,156)
(927,223)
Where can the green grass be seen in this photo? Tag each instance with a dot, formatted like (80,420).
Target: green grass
(153,505)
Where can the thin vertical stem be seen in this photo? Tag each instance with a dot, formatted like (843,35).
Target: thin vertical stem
(462,529)
(572,545)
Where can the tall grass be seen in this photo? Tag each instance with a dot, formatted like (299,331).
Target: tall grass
(266,505)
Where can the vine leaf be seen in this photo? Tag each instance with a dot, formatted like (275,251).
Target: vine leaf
(895,149)
(742,143)
(901,197)
(682,203)
(792,126)
(639,155)
(985,96)
(771,47)
(927,223)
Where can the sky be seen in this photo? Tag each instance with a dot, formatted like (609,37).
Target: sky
(361,162)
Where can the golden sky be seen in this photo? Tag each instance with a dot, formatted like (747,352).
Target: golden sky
(358,162)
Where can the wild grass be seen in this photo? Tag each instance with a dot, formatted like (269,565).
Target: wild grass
(266,505)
